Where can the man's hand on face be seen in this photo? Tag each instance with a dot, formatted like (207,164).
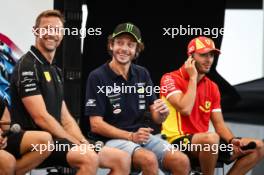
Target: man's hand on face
(190,68)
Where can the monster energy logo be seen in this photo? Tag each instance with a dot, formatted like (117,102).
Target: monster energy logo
(129,27)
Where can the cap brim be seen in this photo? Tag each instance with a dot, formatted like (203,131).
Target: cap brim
(208,50)
(131,33)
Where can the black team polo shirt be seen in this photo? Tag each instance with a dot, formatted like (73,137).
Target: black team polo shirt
(34,75)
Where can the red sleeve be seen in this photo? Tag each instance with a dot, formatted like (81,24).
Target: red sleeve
(216,103)
(168,85)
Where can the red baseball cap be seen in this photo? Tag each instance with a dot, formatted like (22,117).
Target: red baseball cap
(201,44)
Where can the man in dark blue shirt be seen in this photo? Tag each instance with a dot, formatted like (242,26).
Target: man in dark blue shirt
(118,94)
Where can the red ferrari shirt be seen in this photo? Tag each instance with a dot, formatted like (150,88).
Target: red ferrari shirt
(207,101)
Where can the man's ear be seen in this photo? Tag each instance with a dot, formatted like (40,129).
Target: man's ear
(111,45)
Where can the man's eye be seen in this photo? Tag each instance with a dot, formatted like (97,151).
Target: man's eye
(119,42)
(131,45)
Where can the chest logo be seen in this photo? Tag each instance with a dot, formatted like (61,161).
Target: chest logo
(47,76)
(117,111)
(206,107)
(207,104)
(141,90)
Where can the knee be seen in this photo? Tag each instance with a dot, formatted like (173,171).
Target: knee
(124,159)
(44,140)
(150,160)
(86,160)
(260,144)
(211,138)
(260,149)
(8,164)
(89,158)
(181,160)
(45,137)
(11,166)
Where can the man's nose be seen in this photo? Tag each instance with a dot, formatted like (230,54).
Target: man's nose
(125,47)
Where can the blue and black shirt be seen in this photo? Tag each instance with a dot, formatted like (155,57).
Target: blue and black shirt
(122,103)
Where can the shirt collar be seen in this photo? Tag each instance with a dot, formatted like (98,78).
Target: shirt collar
(113,75)
(38,55)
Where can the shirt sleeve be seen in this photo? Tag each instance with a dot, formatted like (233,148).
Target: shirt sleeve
(168,86)
(95,101)
(27,81)
(216,103)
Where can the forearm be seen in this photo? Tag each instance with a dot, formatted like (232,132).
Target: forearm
(225,133)
(73,129)
(187,101)
(48,123)
(109,131)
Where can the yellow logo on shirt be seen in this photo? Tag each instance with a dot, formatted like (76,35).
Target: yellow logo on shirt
(47,76)
(207,104)
(206,108)
(140,90)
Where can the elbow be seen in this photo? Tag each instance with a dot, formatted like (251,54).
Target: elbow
(39,120)
(185,112)
(95,127)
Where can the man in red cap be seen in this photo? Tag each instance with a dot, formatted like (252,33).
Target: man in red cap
(194,100)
